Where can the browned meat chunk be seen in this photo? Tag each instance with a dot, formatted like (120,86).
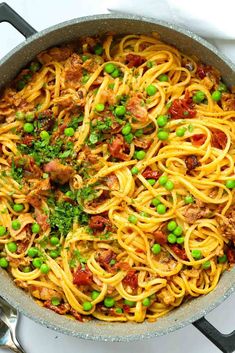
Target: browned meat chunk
(58,172)
(73,71)
(117,148)
(137,108)
(191,162)
(228,227)
(218,139)
(179,252)
(151,174)
(131,279)
(133,60)
(196,211)
(54,54)
(61,309)
(44,293)
(228,101)
(98,223)
(46,120)
(104,258)
(160,237)
(40,190)
(82,276)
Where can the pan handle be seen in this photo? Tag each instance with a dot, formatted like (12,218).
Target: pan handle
(225,342)
(7,14)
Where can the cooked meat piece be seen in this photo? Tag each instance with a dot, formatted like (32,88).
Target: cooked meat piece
(28,140)
(191,162)
(228,227)
(182,108)
(46,120)
(112,182)
(58,172)
(61,309)
(196,211)
(42,219)
(160,237)
(142,143)
(166,297)
(82,276)
(31,170)
(70,99)
(231,256)
(39,191)
(131,279)
(180,252)
(137,108)
(73,71)
(44,293)
(98,223)
(54,54)
(198,139)
(117,148)
(228,101)
(104,258)
(210,72)
(76,315)
(148,173)
(133,60)
(218,139)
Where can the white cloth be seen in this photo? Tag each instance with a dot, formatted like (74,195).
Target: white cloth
(213,20)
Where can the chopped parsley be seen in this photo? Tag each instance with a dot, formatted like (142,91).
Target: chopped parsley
(77,258)
(63,215)
(16,172)
(87,193)
(98,129)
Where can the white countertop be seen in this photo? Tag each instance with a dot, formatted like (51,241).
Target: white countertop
(37,339)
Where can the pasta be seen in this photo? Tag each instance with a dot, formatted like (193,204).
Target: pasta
(117,178)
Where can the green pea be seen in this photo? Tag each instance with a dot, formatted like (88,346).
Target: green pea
(222,87)
(37,262)
(28,127)
(161,209)
(149,64)
(98,49)
(55,301)
(133,219)
(12,246)
(85,58)
(53,254)
(3,262)
(109,302)
(216,96)
(180,132)
(151,181)
(119,310)
(16,224)
(230,184)
(116,73)
(94,294)
(178,231)
(34,66)
(3,231)
(156,249)
(29,117)
(169,185)
(151,90)
(32,252)
(44,135)
(163,135)
(144,214)
(26,269)
(163,78)
(35,228)
(20,115)
(109,68)
(85,79)
(18,207)
(189,199)
(146,302)
(126,129)
(171,238)
(196,254)
(128,138)
(155,202)
(162,120)
(69,131)
(198,97)
(44,268)
(70,194)
(120,110)
(99,107)
(54,240)
(134,170)
(140,155)
(180,240)
(129,303)
(222,259)
(163,179)
(20,85)
(171,226)
(139,132)
(206,265)
(87,306)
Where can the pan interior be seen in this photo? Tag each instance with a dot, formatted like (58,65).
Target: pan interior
(187,43)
